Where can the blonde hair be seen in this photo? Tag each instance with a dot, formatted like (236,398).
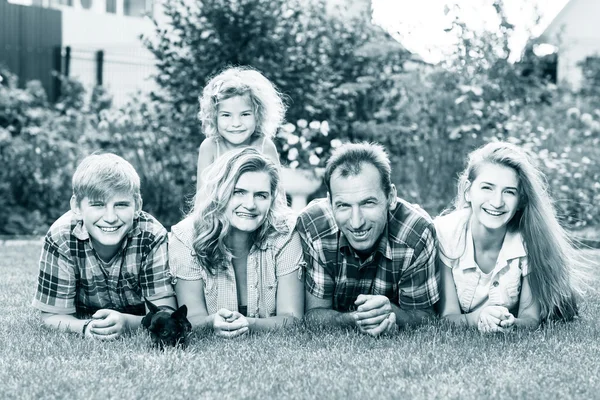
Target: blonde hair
(211,225)
(554,264)
(101,176)
(267,102)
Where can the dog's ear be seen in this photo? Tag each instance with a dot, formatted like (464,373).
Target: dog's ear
(147,320)
(180,313)
(153,309)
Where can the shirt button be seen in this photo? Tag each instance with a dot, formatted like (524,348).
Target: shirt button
(496,283)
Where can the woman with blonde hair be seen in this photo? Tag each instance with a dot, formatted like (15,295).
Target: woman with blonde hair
(236,259)
(505,260)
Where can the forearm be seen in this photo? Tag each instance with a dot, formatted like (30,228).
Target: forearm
(409,318)
(133,321)
(63,322)
(200,321)
(327,316)
(272,323)
(468,319)
(526,323)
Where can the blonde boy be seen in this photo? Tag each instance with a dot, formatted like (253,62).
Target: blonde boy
(102,257)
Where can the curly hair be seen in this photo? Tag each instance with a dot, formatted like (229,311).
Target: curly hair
(555,268)
(267,103)
(211,225)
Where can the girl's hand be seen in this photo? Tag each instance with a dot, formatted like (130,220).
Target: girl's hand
(490,319)
(229,324)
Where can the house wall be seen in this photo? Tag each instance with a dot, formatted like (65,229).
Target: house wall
(576,33)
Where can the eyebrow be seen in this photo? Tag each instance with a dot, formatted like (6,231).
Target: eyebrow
(491,184)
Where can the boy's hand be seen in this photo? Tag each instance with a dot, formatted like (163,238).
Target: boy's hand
(108,324)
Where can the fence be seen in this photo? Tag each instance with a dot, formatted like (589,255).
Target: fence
(122,70)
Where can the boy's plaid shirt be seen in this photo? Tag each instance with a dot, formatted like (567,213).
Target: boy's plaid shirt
(402,267)
(72,279)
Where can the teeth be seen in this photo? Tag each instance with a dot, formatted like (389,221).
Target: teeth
(494,213)
(244,215)
(359,233)
(109,229)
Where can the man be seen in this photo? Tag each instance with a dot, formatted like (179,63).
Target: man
(370,255)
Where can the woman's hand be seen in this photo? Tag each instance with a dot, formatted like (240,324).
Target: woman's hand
(491,318)
(229,324)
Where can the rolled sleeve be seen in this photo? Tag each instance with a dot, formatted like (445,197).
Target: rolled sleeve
(182,261)
(418,287)
(289,258)
(318,282)
(57,282)
(155,281)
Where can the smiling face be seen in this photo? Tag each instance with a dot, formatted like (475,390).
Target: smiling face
(360,207)
(250,202)
(106,221)
(236,121)
(494,196)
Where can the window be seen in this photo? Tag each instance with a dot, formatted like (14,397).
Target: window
(137,8)
(86,4)
(111,6)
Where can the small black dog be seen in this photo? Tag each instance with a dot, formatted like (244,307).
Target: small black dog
(167,326)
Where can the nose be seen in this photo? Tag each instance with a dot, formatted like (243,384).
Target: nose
(357,220)
(249,202)
(236,120)
(109,215)
(497,199)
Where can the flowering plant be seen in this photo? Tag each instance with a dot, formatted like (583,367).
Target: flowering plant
(305,145)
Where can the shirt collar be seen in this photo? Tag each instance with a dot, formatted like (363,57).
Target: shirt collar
(512,248)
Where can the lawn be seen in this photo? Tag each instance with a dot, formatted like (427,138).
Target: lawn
(434,361)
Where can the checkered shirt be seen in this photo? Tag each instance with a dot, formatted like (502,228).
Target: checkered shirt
(279,255)
(402,266)
(73,280)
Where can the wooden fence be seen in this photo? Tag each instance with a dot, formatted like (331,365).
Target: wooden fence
(30,44)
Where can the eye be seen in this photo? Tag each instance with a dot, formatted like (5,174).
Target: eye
(247,114)
(511,192)
(238,192)
(263,196)
(122,205)
(486,187)
(96,204)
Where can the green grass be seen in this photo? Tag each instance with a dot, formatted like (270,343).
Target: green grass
(434,361)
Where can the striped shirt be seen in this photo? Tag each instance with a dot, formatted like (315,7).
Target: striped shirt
(402,266)
(74,280)
(279,255)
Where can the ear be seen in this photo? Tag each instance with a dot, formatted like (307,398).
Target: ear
(393,198)
(153,309)
(466,192)
(180,313)
(75,206)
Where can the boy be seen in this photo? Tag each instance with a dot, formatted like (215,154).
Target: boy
(102,257)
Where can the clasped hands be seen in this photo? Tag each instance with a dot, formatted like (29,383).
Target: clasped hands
(229,324)
(495,319)
(107,325)
(374,315)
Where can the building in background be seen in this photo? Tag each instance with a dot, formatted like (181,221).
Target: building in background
(575,36)
(103,37)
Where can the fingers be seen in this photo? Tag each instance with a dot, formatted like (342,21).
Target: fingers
(225,313)
(102,313)
(371,321)
(509,322)
(361,299)
(384,327)
(374,302)
(231,334)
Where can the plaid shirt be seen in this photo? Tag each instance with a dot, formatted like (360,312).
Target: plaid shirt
(73,280)
(402,267)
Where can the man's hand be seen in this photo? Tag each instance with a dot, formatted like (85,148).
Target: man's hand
(229,324)
(107,325)
(374,315)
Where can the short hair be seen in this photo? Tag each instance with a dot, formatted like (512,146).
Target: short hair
(100,176)
(350,157)
(211,225)
(267,102)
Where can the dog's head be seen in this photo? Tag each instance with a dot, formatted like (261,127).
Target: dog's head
(167,327)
